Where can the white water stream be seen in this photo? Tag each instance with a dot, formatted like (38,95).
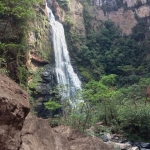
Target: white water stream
(66,77)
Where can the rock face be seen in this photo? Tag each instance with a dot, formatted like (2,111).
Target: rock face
(68,132)
(78,141)
(44,90)
(38,135)
(14,107)
(123,13)
(39,41)
(40,57)
(131,3)
(74,13)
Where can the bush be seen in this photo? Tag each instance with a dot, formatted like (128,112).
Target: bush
(64,3)
(135,121)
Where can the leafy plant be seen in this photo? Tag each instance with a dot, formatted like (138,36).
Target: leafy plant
(52,105)
(64,3)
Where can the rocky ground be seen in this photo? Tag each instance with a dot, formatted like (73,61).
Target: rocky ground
(20,130)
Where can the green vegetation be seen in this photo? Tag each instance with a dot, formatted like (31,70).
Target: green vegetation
(64,3)
(115,69)
(107,51)
(120,109)
(68,22)
(14,17)
(52,105)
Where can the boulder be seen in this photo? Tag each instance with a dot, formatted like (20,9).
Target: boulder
(122,146)
(38,135)
(78,141)
(14,107)
(89,143)
(68,132)
(49,75)
(134,148)
(43,88)
(145,145)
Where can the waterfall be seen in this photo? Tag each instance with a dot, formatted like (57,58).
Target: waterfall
(66,77)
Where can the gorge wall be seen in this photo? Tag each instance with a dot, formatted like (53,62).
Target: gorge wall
(124,13)
(40,60)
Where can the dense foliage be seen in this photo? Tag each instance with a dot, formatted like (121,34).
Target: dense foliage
(108,51)
(122,110)
(116,68)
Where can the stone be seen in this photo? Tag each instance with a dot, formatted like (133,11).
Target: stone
(134,148)
(49,75)
(43,88)
(123,146)
(78,141)
(14,107)
(68,132)
(104,138)
(145,145)
(89,143)
(38,135)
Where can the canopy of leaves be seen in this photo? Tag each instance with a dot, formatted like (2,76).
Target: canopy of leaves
(17,8)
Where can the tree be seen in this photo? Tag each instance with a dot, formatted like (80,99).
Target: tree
(52,105)
(14,10)
(99,95)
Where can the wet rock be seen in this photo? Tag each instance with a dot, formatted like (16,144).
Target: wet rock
(49,75)
(134,148)
(145,145)
(43,88)
(104,138)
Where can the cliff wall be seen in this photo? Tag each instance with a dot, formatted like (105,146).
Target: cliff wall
(124,13)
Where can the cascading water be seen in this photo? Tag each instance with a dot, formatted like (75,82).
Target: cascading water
(66,77)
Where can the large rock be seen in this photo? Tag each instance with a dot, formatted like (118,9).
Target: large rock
(78,141)
(68,132)
(74,13)
(88,143)
(14,107)
(122,146)
(38,135)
